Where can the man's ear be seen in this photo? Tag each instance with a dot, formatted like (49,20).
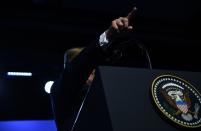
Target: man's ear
(65,58)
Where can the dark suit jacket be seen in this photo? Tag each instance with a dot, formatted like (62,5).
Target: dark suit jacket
(67,92)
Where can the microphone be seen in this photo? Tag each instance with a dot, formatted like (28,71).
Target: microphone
(119,51)
(144,50)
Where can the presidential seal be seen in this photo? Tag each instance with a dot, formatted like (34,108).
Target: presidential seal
(177,100)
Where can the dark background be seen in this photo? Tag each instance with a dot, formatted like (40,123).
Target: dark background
(34,35)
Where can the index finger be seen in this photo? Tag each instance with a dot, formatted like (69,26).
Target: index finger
(131,14)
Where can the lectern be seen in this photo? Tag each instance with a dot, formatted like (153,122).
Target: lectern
(135,99)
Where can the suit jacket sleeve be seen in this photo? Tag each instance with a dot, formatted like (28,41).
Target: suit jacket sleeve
(66,90)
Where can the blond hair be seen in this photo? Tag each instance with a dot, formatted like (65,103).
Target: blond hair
(70,54)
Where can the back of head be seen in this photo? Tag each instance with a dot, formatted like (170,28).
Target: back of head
(70,54)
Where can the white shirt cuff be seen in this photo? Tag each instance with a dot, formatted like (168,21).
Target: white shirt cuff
(103,40)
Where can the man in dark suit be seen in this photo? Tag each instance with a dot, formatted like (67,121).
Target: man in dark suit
(69,90)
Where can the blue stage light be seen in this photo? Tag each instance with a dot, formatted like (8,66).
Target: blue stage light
(19,73)
(48,86)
